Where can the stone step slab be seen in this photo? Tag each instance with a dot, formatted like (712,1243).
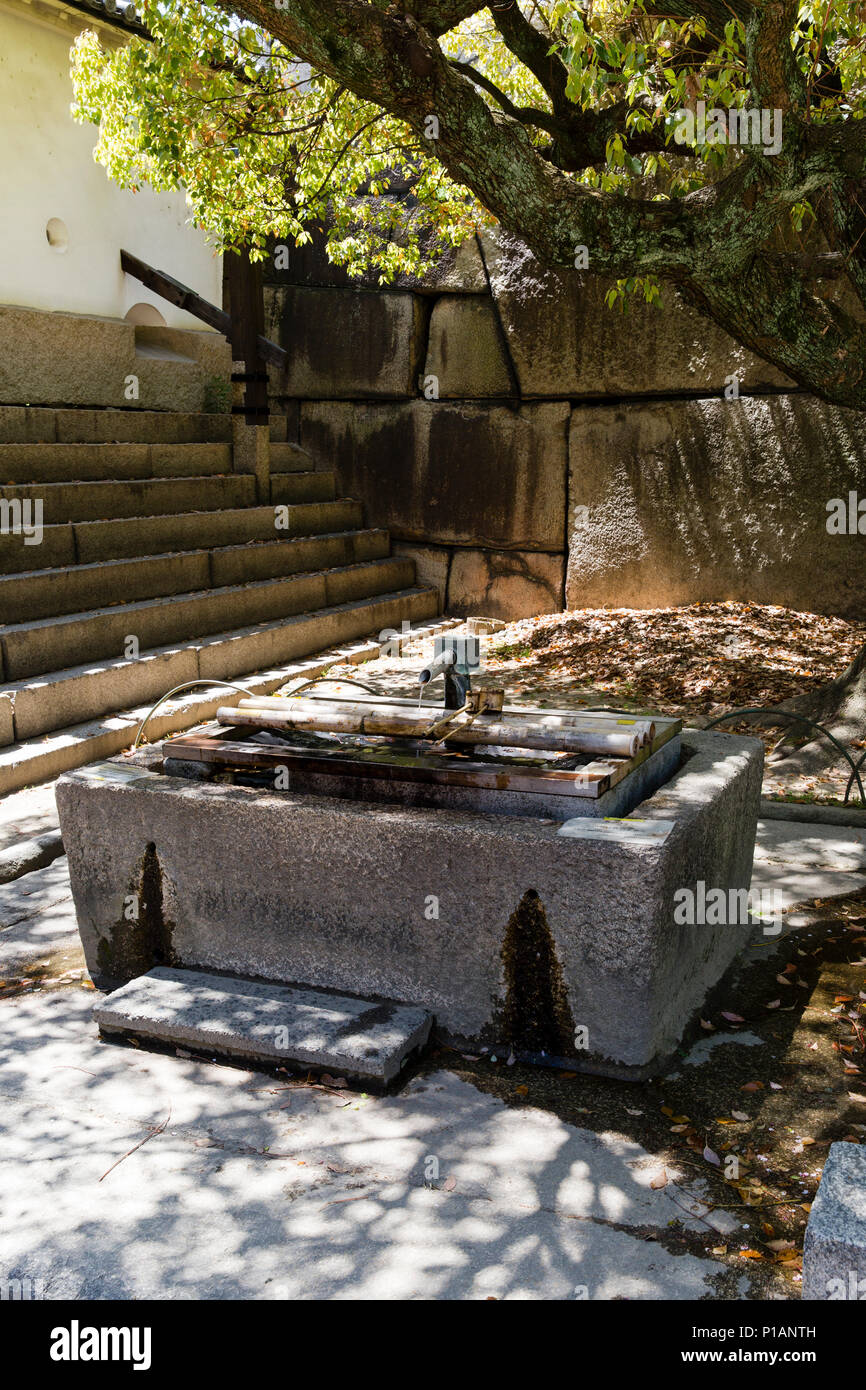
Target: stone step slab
(51,644)
(85,542)
(34,594)
(265,648)
(365,1039)
(77,463)
(44,425)
(142,497)
(318,486)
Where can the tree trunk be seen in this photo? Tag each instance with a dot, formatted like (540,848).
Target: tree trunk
(841,707)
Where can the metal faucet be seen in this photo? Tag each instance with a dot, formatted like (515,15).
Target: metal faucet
(457,683)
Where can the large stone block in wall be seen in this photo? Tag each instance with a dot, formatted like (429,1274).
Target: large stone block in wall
(346,343)
(471,475)
(505,584)
(704,500)
(465,351)
(565,341)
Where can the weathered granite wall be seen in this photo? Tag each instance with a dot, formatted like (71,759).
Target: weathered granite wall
(532,449)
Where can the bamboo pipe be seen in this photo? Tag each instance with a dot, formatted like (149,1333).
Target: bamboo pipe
(592,719)
(352,717)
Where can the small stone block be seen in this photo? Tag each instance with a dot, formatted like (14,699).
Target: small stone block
(366,1039)
(834,1254)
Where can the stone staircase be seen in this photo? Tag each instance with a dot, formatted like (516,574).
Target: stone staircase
(159,565)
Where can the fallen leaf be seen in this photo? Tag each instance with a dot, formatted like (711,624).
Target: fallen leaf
(659,1179)
(732,1018)
(740,1115)
(710,1156)
(449,1184)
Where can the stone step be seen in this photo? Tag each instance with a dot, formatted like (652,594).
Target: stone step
(48,593)
(43,425)
(278,1025)
(317,486)
(85,542)
(50,644)
(78,463)
(120,686)
(144,497)
(63,502)
(290,458)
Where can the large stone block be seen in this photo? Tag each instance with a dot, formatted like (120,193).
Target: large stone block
(439,473)
(465,350)
(705,500)
(505,584)
(347,343)
(63,359)
(834,1251)
(72,360)
(538,933)
(565,341)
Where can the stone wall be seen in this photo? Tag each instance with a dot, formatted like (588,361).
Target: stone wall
(533,449)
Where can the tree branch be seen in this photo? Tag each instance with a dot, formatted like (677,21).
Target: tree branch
(438,16)
(532,48)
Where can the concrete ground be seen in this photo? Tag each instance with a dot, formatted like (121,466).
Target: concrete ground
(130,1174)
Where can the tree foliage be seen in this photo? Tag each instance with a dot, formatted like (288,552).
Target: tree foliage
(404,126)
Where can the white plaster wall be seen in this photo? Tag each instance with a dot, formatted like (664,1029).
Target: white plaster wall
(47,170)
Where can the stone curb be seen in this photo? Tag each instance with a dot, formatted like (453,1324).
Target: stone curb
(28,855)
(817,815)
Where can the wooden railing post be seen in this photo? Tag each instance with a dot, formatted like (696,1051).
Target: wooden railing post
(246,307)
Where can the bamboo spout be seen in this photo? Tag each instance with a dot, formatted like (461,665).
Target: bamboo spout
(562,733)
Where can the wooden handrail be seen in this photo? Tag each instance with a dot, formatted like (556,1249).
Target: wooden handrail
(184,298)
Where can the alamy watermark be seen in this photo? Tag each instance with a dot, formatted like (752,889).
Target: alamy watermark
(728,907)
(22,517)
(751,127)
(846,516)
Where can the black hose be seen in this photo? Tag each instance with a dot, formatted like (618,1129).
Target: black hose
(810,723)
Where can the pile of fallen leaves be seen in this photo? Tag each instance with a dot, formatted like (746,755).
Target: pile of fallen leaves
(699,659)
